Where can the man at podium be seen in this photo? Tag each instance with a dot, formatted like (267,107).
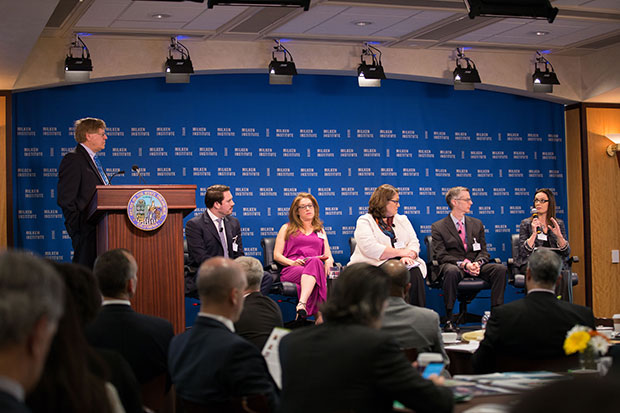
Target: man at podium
(79,173)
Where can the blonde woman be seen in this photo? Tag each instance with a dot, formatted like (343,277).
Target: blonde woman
(302,248)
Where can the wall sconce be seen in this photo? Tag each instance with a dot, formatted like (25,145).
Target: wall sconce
(614,148)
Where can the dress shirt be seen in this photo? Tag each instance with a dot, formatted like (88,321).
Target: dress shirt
(12,387)
(216,222)
(116,301)
(544,290)
(226,321)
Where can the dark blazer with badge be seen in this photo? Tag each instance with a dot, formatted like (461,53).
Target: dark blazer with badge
(533,327)
(77,179)
(203,239)
(448,246)
(141,339)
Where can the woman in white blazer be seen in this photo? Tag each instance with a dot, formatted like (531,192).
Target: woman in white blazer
(382,234)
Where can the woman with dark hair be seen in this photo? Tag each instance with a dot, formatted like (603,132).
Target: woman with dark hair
(302,248)
(350,354)
(543,229)
(383,234)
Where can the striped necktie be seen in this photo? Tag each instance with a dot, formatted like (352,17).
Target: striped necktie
(104,177)
(462,234)
(220,230)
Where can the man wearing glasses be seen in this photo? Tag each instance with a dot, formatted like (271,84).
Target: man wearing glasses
(79,173)
(460,248)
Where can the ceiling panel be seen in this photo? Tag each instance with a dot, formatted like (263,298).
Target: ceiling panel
(343,24)
(179,12)
(213,18)
(307,20)
(590,4)
(414,23)
(103,13)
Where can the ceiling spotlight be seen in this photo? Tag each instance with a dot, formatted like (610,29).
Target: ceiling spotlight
(77,69)
(465,77)
(178,70)
(543,81)
(281,72)
(260,3)
(530,9)
(362,23)
(370,71)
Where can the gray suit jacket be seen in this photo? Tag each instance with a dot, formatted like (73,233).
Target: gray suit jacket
(413,327)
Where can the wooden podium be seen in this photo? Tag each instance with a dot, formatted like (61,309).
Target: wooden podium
(159,253)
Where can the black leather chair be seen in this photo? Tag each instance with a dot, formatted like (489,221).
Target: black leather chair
(352,244)
(517,279)
(189,274)
(285,288)
(467,290)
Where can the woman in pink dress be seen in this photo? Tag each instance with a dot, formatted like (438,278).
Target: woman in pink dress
(302,248)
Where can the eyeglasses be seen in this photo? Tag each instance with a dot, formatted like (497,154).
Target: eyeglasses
(540,201)
(463,199)
(309,206)
(396,201)
(100,134)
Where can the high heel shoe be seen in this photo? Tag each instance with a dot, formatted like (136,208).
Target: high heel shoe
(301,310)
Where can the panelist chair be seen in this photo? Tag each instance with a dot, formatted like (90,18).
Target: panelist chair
(285,288)
(517,279)
(467,289)
(352,244)
(189,274)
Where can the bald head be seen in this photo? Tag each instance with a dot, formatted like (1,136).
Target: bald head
(399,277)
(217,277)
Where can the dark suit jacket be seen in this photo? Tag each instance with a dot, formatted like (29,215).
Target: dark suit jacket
(533,327)
(448,246)
(9,404)
(259,316)
(211,365)
(141,339)
(77,179)
(363,368)
(525,231)
(203,239)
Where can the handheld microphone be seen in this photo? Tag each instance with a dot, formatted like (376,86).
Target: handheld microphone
(534,212)
(114,174)
(135,168)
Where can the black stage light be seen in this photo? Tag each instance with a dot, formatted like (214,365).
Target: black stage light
(529,9)
(466,77)
(178,70)
(77,69)
(281,72)
(543,80)
(370,74)
(260,3)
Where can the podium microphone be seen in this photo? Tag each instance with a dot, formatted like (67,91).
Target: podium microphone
(534,212)
(116,173)
(135,168)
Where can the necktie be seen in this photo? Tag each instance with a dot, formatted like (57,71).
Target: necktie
(462,234)
(220,230)
(104,177)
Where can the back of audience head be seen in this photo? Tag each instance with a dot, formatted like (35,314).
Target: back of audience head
(253,270)
(544,267)
(81,286)
(221,285)
(399,277)
(359,296)
(31,305)
(116,272)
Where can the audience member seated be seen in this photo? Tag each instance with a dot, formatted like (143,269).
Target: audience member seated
(346,364)
(411,326)
(543,229)
(74,379)
(142,339)
(384,234)
(81,287)
(302,248)
(260,314)
(533,327)
(210,365)
(31,303)
(460,248)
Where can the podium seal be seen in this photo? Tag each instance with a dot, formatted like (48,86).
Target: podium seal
(147,209)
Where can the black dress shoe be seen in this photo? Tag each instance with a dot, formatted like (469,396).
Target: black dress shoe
(449,327)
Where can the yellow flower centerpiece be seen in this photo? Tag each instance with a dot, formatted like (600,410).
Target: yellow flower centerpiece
(588,342)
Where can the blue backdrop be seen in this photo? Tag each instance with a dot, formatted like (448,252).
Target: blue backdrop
(323,134)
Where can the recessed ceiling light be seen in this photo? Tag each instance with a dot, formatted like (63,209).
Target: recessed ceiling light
(362,23)
(541,33)
(160,16)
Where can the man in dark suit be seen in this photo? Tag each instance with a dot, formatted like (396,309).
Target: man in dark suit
(31,303)
(210,365)
(534,327)
(412,327)
(260,314)
(79,173)
(460,247)
(141,339)
(214,233)
(362,368)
